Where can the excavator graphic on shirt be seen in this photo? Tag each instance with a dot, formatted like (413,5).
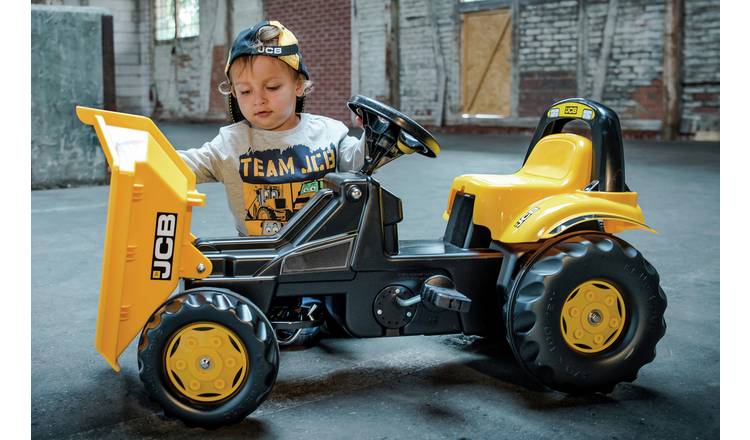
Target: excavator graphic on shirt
(278,183)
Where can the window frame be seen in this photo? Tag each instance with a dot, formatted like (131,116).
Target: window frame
(483,5)
(176,36)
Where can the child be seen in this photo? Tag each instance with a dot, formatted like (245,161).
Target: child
(272,158)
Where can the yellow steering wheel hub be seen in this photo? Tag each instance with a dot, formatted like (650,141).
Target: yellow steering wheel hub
(206,361)
(593,316)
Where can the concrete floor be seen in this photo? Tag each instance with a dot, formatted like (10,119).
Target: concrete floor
(413,387)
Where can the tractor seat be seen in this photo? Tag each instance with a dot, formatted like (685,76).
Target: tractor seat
(559,163)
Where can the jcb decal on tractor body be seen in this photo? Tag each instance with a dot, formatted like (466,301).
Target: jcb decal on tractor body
(572,110)
(161,265)
(525,216)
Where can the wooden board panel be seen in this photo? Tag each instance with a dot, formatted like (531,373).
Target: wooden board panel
(486,39)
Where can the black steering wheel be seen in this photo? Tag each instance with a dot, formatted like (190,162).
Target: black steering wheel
(387,130)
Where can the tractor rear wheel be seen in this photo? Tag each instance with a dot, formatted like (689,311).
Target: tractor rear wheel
(209,357)
(586,314)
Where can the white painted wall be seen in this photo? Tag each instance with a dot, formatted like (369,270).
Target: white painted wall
(370,28)
(175,75)
(131,22)
(182,69)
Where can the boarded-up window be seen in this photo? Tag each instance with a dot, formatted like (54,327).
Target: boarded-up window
(486,62)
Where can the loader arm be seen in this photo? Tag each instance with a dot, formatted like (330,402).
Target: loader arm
(148,246)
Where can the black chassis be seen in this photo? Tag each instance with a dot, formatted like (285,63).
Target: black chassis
(343,247)
(343,244)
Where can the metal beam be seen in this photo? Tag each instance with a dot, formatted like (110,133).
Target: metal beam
(484,5)
(672,72)
(108,63)
(583,50)
(393,56)
(609,35)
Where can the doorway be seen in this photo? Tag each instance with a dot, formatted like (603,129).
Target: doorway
(486,48)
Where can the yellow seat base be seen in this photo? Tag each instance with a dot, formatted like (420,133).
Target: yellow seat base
(560,163)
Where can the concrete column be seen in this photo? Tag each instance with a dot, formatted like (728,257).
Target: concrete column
(66,70)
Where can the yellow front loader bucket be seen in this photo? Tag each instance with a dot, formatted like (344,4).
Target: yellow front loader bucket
(148,246)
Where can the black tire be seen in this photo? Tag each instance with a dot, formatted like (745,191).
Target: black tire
(534,307)
(231,311)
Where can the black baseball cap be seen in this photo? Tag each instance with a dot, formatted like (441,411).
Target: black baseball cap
(247,44)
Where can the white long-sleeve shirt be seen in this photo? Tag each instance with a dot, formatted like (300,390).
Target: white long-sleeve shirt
(270,175)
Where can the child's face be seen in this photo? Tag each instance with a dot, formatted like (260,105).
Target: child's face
(266,89)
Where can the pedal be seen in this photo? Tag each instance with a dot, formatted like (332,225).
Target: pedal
(295,325)
(296,319)
(439,292)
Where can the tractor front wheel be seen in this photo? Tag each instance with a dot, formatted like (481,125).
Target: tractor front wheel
(586,314)
(209,357)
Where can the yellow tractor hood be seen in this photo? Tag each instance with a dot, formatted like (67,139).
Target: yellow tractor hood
(148,246)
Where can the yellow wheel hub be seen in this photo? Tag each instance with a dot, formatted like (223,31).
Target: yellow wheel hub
(593,316)
(206,361)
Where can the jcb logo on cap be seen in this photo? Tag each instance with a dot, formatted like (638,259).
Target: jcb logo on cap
(270,50)
(161,265)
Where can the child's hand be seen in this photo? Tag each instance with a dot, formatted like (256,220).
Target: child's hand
(359,122)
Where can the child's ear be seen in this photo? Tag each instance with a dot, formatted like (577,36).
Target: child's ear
(299,88)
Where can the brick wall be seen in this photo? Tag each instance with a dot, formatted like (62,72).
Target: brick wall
(418,69)
(429,38)
(547,54)
(372,19)
(323,29)
(557,54)
(700,93)
(449,36)
(178,69)
(186,71)
(131,20)
(549,34)
(633,84)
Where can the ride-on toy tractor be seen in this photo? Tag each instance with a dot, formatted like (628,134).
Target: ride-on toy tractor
(530,255)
